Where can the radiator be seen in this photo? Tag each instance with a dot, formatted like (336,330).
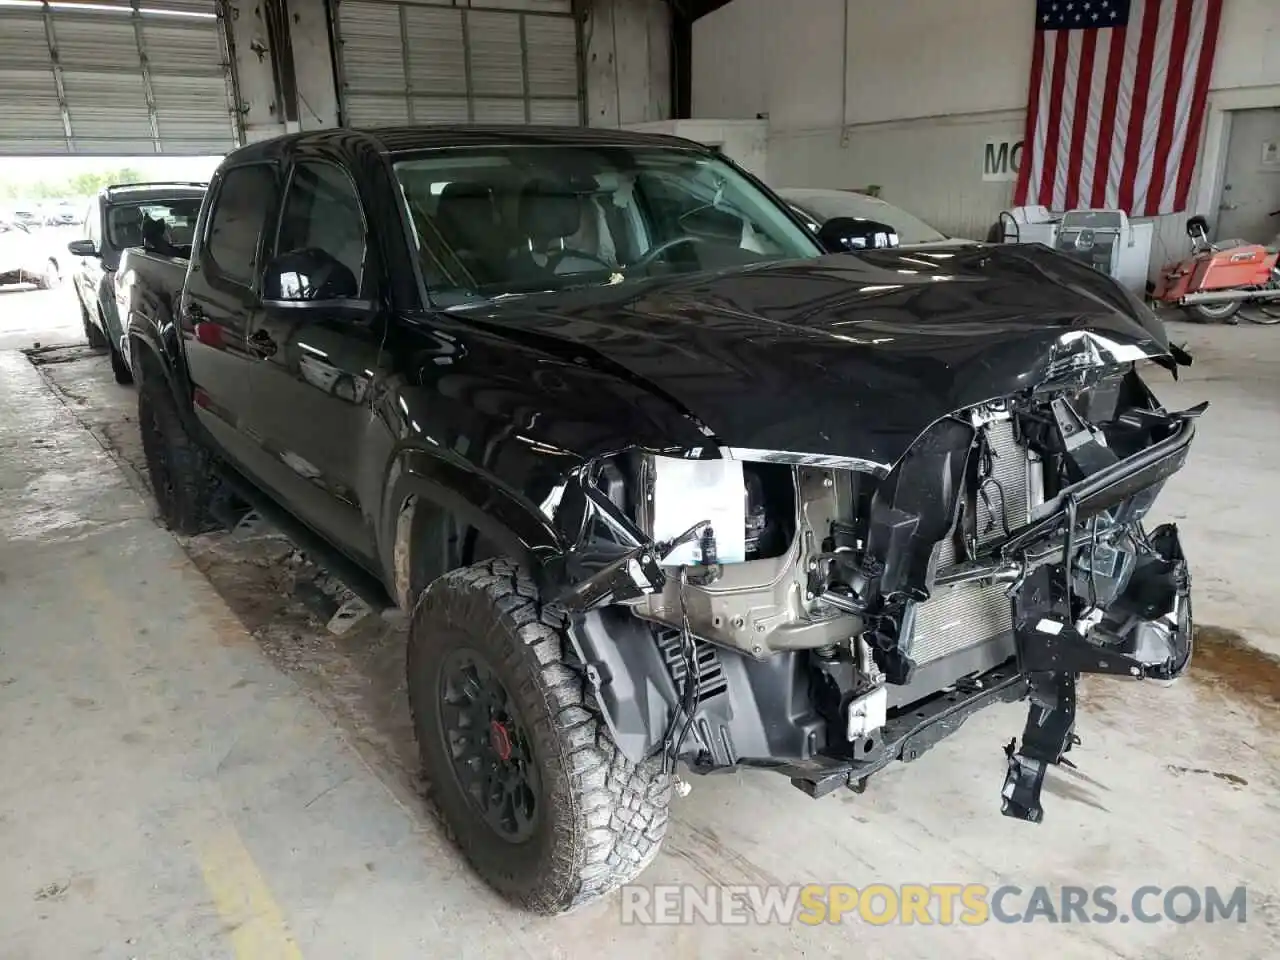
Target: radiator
(968,613)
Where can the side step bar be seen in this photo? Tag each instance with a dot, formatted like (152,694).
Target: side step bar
(360,582)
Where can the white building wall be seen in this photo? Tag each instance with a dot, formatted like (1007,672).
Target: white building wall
(745,142)
(627,53)
(313,64)
(254,78)
(927,83)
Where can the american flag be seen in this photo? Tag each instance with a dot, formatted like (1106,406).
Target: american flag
(1117,101)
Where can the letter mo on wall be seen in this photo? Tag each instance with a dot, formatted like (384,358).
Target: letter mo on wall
(1000,159)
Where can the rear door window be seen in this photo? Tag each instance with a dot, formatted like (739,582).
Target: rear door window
(245,203)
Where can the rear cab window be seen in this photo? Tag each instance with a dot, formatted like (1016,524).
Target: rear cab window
(131,224)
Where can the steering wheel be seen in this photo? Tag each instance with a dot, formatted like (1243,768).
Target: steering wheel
(647,260)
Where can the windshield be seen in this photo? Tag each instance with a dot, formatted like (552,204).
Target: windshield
(822,205)
(507,220)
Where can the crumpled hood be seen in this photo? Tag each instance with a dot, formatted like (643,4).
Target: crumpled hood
(846,355)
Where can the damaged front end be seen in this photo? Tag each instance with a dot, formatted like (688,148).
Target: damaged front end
(838,614)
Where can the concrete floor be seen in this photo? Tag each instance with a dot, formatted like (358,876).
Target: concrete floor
(28,315)
(196,767)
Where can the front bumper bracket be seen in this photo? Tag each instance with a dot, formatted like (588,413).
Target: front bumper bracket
(1147,634)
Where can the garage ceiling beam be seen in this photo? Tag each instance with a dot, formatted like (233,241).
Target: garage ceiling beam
(148,91)
(52,40)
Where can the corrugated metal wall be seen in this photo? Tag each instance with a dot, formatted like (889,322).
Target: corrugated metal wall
(483,61)
(114,78)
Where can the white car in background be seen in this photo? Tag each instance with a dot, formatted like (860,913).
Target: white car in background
(25,216)
(817,207)
(26,257)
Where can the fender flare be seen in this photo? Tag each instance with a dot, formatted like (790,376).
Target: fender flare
(146,343)
(424,486)
(107,310)
(424,489)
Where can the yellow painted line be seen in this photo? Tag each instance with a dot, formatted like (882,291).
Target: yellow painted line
(257,927)
(254,921)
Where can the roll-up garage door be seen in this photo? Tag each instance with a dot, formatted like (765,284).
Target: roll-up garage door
(482,61)
(115,78)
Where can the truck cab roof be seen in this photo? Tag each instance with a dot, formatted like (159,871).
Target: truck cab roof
(141,192)
(410,139)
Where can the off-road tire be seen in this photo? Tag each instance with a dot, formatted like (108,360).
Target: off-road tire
(601,817)
(119,368)
(91,333)
(177,465)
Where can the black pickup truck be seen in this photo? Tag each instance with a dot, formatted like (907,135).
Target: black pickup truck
(659,478)
(160,216)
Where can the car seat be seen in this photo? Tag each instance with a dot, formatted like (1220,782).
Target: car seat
(127,223)
(551,213)
(155,237)
(468,223)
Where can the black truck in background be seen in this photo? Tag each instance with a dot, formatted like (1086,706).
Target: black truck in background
(160,216)
(657,475)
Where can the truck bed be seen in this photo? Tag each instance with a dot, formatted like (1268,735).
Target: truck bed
(149,286)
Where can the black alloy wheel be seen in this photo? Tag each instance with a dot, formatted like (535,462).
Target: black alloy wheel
(516,754)
(491,756)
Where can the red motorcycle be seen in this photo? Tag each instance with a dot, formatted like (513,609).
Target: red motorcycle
(1218,279)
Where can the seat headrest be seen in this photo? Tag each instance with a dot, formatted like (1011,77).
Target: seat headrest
(152,230)
(465,214)
(550,210)
(463,191)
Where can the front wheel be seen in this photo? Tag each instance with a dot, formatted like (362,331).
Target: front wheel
(119,368)
(519,760)
(91,331)
(1215,312)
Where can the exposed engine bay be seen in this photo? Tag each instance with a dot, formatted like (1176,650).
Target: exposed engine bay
(826,616)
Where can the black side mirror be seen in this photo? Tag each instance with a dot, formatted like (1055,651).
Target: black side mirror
(308,276)
(82,248)
(843,234)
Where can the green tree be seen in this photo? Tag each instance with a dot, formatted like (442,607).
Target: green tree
(86,183)
(79,185)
